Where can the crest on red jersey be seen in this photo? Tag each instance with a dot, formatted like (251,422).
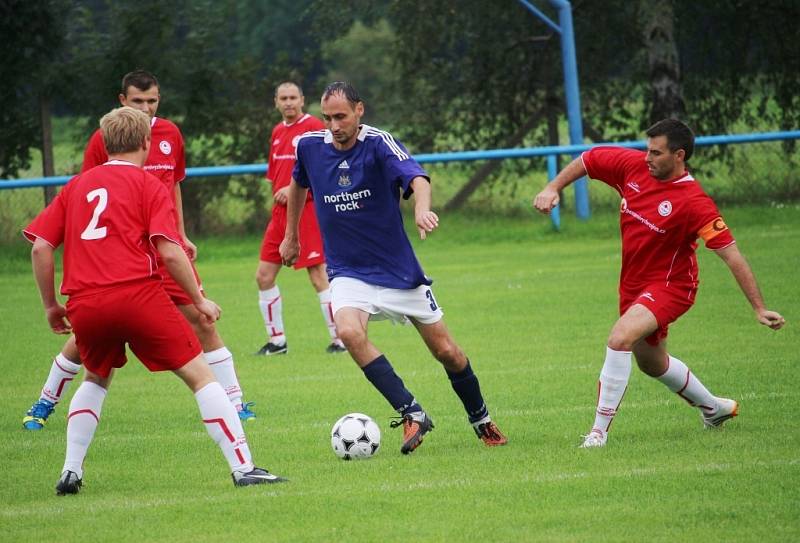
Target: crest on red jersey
(165,147)
(665,208)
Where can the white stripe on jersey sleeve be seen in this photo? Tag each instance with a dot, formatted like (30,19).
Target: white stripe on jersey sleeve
(389,141)
(313,134)
(31,237)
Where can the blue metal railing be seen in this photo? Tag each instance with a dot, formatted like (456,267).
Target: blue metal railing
(457,156)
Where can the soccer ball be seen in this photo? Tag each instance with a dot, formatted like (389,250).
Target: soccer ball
(355,435)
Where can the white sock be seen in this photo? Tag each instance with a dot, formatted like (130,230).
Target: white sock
(84,414)
(327,312)
(221,363)
(62,372)
(224,426)
(272,311)
(680,380)
(611,387)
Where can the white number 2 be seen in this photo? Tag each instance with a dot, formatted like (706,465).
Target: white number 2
(92,232)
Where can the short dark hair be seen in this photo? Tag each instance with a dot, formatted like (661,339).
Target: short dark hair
(140,79)
(679,135)
(345,89)
(298,87)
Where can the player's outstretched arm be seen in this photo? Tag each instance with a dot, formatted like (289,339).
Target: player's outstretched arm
(747,282)
(43,262)
(549,197)
(426,219)
(290,246)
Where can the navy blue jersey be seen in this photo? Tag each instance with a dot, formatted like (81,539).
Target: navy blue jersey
(357,199)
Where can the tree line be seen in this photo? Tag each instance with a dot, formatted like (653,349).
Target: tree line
(443,75)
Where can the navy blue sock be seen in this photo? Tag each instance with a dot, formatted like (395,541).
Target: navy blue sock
(466,385)
(382,376)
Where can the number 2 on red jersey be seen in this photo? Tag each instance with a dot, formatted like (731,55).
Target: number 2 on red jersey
(91,231)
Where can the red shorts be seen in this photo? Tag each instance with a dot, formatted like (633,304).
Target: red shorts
(311,252)
(139,314)
(173,289)
(666,303)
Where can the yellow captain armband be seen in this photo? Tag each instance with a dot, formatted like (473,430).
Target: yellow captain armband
(712,229)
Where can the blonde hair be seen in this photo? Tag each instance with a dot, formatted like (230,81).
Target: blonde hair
(124,130)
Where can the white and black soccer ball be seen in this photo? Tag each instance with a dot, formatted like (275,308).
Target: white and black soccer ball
(355,435)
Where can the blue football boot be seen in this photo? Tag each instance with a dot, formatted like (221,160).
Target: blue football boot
(245,413)
(36,417)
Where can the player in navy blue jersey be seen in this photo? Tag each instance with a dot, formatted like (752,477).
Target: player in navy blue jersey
(357,174)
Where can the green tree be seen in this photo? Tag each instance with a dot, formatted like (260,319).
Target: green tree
(740,63)
(33,34)
(217,62)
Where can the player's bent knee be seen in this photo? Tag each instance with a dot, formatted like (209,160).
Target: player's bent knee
(448,353)
(206,331)
(620,342)
(195,373)
(264,280)
(351,335)
(318,277)
(266,274)
(92,377)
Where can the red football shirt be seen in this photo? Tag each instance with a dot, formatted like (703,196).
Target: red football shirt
(167,159)
(283,148)
(106,219)
(660,221)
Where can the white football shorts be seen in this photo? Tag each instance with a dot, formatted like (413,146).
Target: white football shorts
(397,305)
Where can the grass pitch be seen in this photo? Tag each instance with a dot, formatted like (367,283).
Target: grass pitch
(532,309)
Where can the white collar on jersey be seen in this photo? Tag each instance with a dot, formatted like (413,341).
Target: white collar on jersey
(153,121)
(118,162)
(684,179)
(362,133)
(298,121)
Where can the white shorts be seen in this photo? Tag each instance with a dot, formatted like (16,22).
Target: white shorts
(397,305)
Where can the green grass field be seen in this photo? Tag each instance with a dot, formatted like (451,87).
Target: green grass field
(532,309)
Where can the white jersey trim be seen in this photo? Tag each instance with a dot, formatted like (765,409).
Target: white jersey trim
(325,134)
(117,162)
(31,237)
(389,140)
(153,245)
(366,131)
(298,121)
(685,178)
(721,248)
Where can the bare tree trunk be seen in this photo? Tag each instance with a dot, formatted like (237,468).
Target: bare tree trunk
(666,93)
(553,105)
(48,164)
(491,166)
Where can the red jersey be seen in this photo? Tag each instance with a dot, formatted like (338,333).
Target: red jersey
(283,147)
(166,159)
(106,219)
(660,221)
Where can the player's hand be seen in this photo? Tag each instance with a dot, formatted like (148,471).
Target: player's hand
(770,318)
(282,196)
(546,200)
(190,248)
(426,222)
(57,319)
(210,309)
(289,250)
